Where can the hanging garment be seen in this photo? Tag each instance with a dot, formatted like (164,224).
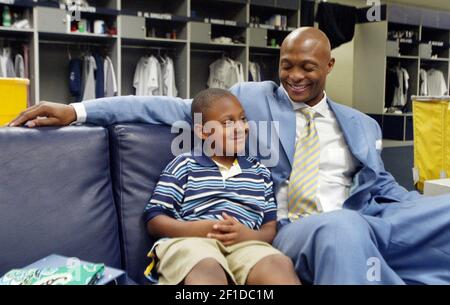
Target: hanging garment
(337,22)
(19,66)
(423,82)
(75,83)
(254,72)
(401,92)
(6,64)
(168,72)
(240,72)
(160,90)
(307,13)
(391,84)
(146,78)
(99,77)
(89,88)
(437,85)
(110,83)
(224,73)
(84,71)
(2,64)
(26,53)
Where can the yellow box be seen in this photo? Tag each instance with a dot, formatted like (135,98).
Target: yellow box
(13,98)
(431,139)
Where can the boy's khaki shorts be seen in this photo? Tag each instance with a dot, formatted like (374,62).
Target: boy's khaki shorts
(177,257)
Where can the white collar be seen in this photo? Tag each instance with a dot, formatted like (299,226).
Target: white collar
(320,108)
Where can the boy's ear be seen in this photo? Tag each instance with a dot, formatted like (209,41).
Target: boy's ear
(198,131)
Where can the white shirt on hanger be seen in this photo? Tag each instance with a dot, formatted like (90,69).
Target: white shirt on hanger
(19,66)
(6,64)
(110,78)
(424,82)
(89,88)
(437,85)
(401,92)
(146,78)
(255,71)
(224,73)
(169,78)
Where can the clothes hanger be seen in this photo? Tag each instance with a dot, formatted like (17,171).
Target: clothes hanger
(68,53)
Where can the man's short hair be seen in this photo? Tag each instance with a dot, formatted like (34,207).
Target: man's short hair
(205,99)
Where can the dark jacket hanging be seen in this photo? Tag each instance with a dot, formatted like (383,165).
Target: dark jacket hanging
(307,13)
(337,21)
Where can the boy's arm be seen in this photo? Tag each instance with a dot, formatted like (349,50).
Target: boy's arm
(162,214)
(230,231)
(165,226)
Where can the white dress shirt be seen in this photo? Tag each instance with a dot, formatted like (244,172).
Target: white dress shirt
(337,164)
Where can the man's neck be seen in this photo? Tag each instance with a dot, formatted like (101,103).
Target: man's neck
(316,100)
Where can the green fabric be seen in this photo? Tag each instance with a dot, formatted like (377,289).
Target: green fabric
(85,274)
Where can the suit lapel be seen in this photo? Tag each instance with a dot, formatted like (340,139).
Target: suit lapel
(281,111)
(353,132)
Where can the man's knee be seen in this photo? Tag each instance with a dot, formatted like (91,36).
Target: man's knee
(344,226)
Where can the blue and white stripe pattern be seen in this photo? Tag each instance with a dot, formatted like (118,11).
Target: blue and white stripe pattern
(192,188)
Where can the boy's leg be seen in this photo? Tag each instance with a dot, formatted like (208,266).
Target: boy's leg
(257,262)
(192,261)
(206,272)
(276,269)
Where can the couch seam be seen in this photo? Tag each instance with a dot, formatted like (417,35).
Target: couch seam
(111,191)
(119,155)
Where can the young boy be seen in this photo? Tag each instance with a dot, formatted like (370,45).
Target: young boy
(216,209)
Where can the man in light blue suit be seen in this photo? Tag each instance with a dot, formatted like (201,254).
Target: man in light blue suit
(358,226)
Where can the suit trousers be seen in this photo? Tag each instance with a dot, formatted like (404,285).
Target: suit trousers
(392,243)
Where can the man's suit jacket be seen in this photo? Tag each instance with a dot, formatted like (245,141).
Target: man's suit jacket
(267,102)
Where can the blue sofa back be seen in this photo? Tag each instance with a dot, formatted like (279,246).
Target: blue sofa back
(56,196)
(139,153)
(79,191)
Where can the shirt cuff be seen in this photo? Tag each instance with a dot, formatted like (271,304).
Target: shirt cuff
(80,110)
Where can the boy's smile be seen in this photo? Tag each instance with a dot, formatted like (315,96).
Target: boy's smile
(225,128)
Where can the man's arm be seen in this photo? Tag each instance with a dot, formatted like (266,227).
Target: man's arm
(387,184)
(107,111)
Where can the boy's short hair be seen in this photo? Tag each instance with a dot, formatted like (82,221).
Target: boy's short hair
(205,99)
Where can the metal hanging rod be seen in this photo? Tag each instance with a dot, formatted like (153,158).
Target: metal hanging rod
(264,54)
(210,51)
(75,43)
(148,48)
(15,39)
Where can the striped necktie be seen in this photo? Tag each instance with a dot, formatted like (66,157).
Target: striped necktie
(304,178)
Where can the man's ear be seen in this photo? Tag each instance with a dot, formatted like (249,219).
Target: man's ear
(331,65)
(198,131)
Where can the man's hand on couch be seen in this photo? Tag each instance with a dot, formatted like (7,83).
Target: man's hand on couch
(45,114)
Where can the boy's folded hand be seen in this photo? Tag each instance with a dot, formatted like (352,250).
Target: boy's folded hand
(230,231)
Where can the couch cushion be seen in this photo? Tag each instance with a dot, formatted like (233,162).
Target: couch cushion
(138,153)
(56,196)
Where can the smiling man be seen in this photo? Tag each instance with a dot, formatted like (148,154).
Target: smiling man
(341,217)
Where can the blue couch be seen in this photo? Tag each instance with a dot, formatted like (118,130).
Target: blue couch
(79,191)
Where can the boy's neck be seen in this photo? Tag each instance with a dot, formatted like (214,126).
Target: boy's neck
(224,160)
